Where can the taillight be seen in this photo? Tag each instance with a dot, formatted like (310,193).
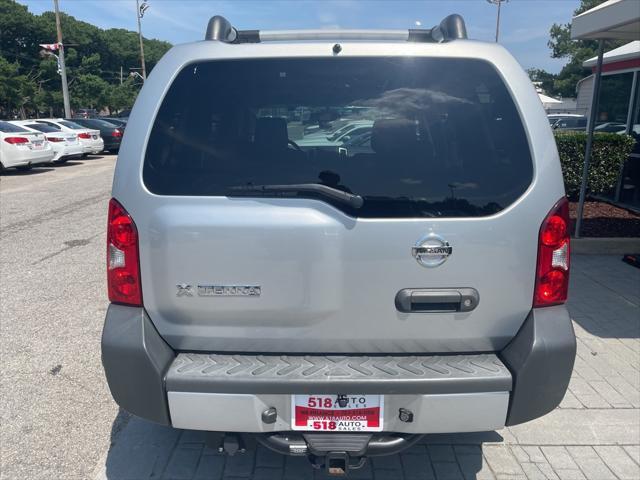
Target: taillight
(123,259)
(84,135)
(552,271)
(116,133)
(16,140)
(55,139)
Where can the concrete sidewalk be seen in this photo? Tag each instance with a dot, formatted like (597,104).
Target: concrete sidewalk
(594,434)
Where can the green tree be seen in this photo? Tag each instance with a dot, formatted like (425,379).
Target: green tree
(546,79)
(89,90)
(9,86)
(576,51)
(122,96)
(30,83)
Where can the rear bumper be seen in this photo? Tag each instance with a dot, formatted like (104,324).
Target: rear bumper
(453,393)
(69,152)
(27,157)
(93,146)
(111,143)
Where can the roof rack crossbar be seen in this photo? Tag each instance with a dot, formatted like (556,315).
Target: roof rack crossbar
(451,28)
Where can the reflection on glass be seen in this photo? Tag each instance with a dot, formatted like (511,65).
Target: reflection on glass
(429,137)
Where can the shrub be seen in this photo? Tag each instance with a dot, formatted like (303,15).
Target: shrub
(608,152)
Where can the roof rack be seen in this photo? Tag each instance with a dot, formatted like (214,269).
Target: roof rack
(451,28)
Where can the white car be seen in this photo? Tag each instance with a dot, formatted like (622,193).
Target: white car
(338,137)
(90,140)
(65,145)
(21,148)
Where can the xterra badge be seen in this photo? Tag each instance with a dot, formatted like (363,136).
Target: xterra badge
(432,250)
(186,290)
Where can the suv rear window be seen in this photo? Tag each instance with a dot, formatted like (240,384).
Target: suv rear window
(414,137)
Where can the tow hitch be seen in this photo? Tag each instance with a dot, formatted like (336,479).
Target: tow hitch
(337,453)
(338,464)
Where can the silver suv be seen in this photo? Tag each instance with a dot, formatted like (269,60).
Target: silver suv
(326,300)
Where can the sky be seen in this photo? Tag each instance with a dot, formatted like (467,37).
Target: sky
(524,24)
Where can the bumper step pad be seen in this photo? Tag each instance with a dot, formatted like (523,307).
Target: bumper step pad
(283,374)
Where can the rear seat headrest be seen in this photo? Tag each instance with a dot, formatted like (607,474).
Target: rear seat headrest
(271,132)
(393,134)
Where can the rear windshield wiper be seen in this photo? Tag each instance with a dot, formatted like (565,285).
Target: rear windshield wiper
(351,199)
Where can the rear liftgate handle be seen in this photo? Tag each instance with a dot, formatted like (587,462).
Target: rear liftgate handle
(436,300)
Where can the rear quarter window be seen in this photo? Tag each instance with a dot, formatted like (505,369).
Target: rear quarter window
(415,137)
(7,127)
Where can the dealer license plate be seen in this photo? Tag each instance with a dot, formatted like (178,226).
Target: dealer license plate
(337,413)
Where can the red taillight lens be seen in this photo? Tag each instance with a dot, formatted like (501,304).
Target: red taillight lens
(552,271)
(84,135)
(123,259)
(116,133)
(16,140)
(55,139)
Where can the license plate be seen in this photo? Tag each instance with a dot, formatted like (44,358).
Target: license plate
(37,144)
(337,413)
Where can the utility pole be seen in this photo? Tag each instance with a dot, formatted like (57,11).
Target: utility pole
(498,3)
(139,14)
(63,68)
(120,74)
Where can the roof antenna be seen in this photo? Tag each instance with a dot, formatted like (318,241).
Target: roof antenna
(220,29)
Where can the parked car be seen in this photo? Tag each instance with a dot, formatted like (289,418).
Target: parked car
(86,113)
(611,127)
(332,307)
(65,145)
(110,132)
(567,121)
(337,138)
(90,139)
(120,122)
(21,148)
(357,144)
(124,113)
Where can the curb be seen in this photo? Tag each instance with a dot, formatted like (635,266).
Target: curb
(605,246)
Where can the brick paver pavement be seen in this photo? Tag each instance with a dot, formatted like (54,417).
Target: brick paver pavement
(593,435)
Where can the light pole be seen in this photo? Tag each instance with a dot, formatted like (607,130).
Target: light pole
(140,9)
(63,68)
(498,3)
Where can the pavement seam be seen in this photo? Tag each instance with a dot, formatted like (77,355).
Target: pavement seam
(16,227)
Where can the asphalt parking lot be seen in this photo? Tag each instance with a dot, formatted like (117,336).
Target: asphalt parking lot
(59,421)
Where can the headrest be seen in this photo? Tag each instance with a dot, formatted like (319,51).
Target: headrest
(394,134)
(271,132)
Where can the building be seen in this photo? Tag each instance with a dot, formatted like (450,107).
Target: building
(619,98)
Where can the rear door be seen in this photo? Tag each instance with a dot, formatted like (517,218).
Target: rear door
(232,260)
